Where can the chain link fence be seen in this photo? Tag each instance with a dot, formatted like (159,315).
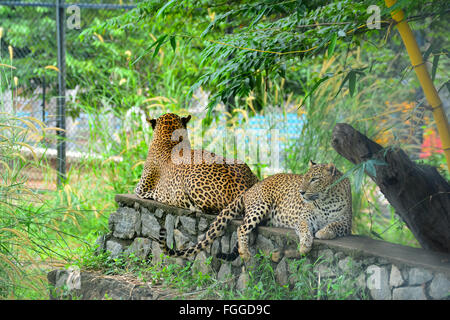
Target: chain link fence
(41,41)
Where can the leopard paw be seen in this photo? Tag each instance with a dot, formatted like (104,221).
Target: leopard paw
(324,235)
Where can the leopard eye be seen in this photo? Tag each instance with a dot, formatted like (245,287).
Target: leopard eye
(313,180)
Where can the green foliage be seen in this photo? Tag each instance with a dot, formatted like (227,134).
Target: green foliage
(185,281)
(316,56)
(268,37)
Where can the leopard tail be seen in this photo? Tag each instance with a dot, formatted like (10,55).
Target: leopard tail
(215,230)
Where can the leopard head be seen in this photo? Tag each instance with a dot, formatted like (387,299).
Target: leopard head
(165,126)
(316,182)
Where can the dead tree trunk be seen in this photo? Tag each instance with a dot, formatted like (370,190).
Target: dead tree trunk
(418,193)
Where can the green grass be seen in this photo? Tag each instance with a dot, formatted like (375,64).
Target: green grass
(187,282)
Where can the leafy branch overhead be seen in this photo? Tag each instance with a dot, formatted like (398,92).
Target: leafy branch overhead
(247,40)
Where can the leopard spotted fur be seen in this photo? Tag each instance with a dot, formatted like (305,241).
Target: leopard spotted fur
(194,179)
(317,204)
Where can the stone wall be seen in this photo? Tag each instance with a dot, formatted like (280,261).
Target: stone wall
(380,269)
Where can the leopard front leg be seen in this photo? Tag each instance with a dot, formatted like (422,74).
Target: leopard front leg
(333,230)
(242,234)
(305,236)
(145,189)
(253,216)
(150,194)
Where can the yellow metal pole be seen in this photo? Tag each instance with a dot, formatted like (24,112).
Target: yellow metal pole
(424,78)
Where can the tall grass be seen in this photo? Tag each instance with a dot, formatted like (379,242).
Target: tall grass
(32,234)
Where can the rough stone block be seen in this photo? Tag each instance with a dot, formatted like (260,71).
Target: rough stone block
(225,243)
(281,272)
(189,224)
(115,247)
(233,239)
(126,223)
(277,255)
(237,262)
(378,282)
(440,287)
(101,244)
(156,253)
(96,286)
(264,244)
(224,272)
(203,224)
(180,239)
(141,247)
(200,264)
(215,247)
(169,226)
(419,276)
(361,281)
(346,264)
(159,213)
(409,293)
(325,270)
(326,255)
(242,281)
(292,253)
(150,225)
(396,278)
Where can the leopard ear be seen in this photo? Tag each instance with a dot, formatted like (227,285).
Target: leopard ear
(332,168)
(152,122)
(185,120)
(311,163)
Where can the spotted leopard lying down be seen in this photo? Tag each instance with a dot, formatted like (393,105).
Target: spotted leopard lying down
(311,204)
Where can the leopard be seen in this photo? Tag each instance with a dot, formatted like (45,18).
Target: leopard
(177,175)
(317,204)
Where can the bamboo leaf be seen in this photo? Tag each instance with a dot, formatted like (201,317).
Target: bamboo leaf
(359,176)
(173,43)
(160,43)
(352,82)
(435,65)
(332,45)
(157,41)
(256,20)
(447,85)
(342,84)
(164,7)
(428,52)
(315,86)
(370,168)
